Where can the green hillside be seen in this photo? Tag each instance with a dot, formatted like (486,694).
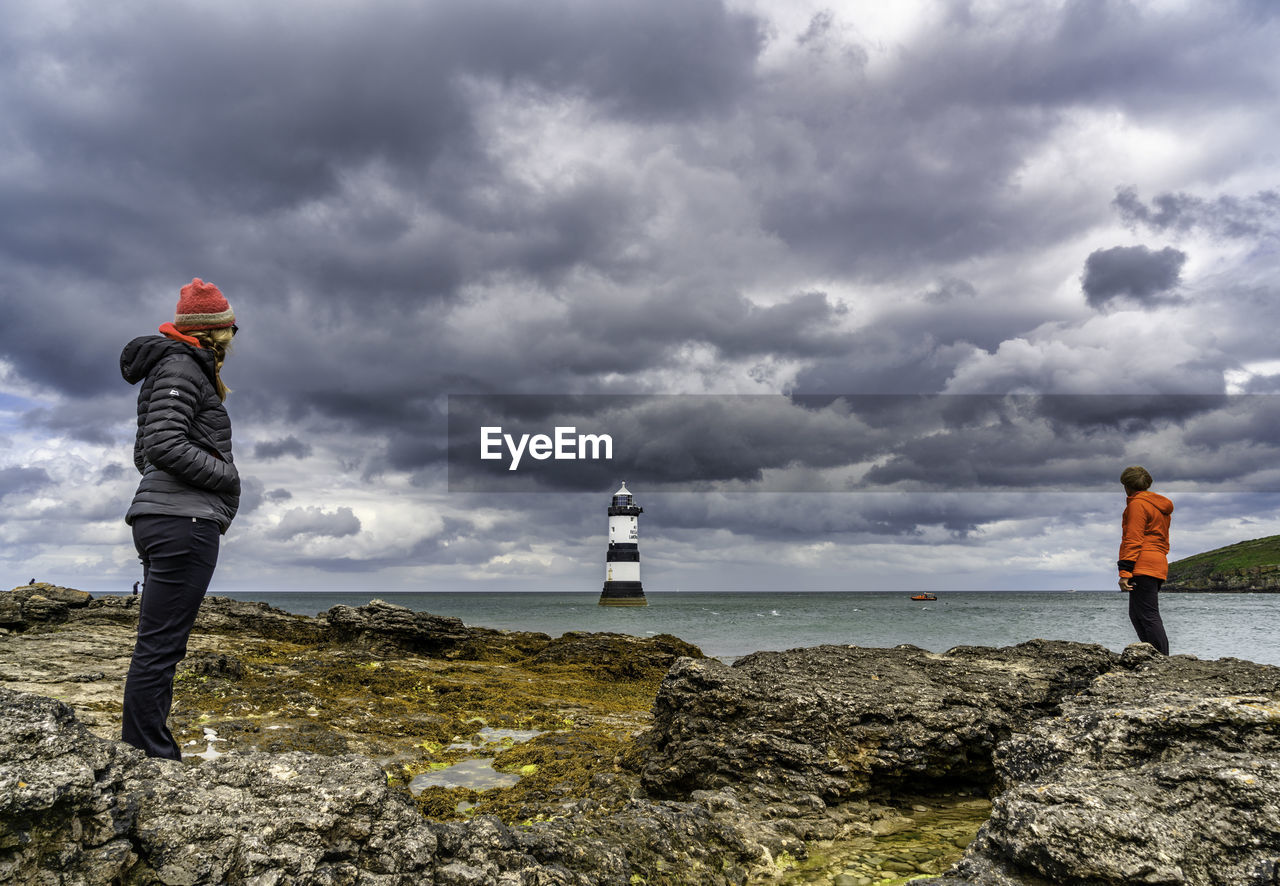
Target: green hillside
(1233,558)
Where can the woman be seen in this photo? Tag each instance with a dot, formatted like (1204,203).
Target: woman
(187,497)
(1144,549)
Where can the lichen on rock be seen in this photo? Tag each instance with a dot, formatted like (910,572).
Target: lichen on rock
(645,763)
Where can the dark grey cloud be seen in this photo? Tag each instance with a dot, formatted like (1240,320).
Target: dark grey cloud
(91,421)
(252,493)
(23,481)
(1118,53)
(950,289)
(1136,272)
(351,189)
(340,523)
(914,348)
(248,166)
(642,334)
(570,197)
(919,167)
(290,445)
(281,101)
(113,472)
(871,443)
(907,518)
(1225,216)
(396,400)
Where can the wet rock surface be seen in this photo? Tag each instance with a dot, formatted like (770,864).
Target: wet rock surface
(1165,770)
(912,841)
(381,625)
(218,615)
(618,655)
(832,723)
(637,760)
(76,808)
(38,604)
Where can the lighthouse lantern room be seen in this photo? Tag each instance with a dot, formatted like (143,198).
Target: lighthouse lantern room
(622,562)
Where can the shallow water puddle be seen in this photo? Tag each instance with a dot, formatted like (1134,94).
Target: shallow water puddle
(490,736)
(210,752)
(477,774)
(935,840)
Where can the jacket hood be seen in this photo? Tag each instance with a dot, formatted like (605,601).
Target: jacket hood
(1161,504)
(142,354)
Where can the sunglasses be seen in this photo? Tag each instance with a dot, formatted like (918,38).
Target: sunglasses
(234,330)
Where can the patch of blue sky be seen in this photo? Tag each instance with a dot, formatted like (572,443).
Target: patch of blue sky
(12,409)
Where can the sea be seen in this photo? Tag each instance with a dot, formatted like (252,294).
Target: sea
(728,625)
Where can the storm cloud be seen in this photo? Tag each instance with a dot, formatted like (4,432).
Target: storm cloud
(290,445)
(1250,217)
(314,521)
(687,201)
(22,481)
(1133,271)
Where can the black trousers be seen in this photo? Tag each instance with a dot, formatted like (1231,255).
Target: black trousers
(1144,611)
(178,557)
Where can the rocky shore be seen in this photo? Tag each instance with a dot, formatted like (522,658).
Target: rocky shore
(320,749)
(1240,580)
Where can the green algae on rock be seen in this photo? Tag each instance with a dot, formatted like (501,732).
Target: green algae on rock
(932,840)
(830,765)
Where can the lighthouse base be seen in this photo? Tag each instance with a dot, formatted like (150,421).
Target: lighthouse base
(623,593)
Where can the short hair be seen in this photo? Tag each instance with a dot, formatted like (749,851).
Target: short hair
(1135,477)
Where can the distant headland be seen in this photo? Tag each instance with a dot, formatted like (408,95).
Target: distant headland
(1245,567)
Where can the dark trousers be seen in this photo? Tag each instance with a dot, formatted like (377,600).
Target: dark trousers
(178,557)
(1144,611)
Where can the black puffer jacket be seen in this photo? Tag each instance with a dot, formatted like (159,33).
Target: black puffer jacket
(183,447)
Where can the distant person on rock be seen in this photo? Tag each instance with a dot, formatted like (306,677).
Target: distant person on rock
(188,495)
(1144,550)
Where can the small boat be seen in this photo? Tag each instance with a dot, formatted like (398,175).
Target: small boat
(924,597)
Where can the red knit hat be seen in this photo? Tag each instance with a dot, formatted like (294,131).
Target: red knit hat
(202,306)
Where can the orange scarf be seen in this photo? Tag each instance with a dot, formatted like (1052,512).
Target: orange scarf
(171,331)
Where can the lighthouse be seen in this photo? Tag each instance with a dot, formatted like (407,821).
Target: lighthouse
(622,562)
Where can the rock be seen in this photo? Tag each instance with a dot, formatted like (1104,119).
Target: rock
(76,808)
(619,655)
(887,827)
(836,722)
(217,615)
(20,610)
(387,625)
(73,598)
(222,615)
(1166,770)
(111,609)
(11,611)
(213,664)
(39,604)
(38,608)
(397,623)
(1105,768)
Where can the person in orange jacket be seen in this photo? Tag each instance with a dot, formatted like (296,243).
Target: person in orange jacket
(1144,549)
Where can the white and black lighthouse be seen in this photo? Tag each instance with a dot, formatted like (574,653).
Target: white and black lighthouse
(622,562)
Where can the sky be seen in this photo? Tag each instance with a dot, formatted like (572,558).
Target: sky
(749,235)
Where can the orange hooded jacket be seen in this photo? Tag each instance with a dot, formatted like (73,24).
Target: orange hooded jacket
(1144,535)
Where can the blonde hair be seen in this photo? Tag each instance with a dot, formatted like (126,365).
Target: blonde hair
(1135,478)
(218,341)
